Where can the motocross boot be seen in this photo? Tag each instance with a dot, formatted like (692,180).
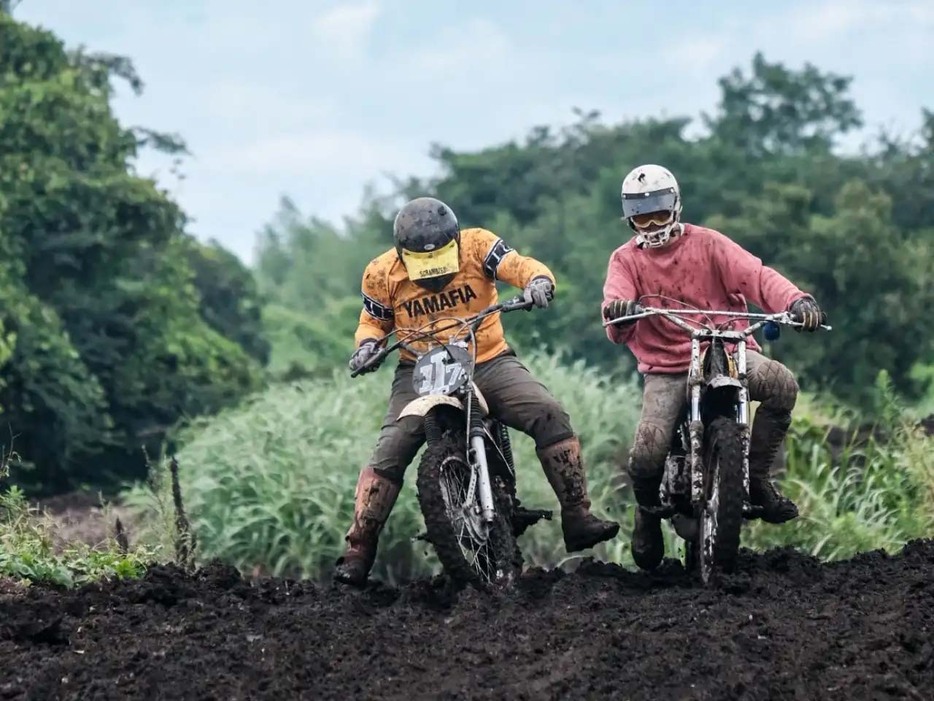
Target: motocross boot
(564,469)
(768,432)
(374,498)
(647,543)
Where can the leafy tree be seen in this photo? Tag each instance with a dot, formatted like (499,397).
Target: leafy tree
(108,348)
(229,299)
(855,229)
(777,110)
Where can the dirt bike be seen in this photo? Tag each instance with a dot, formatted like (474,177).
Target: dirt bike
(466,483)
(705,488)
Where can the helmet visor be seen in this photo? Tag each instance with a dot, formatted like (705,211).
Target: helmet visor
(443,261)
(648,202)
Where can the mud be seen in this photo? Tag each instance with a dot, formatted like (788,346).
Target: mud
(783,627)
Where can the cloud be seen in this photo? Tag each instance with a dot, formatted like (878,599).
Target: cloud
(476,47)
(264,105)
(324,152)
(697,54)
(346,28)
(314,98)
(821,22)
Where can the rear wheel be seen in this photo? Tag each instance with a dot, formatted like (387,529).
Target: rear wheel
(721,519)
(470,549)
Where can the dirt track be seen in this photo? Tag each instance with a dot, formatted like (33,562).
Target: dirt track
(784,627)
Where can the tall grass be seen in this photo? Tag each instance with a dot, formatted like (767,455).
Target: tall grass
(871,493)
(270,484)
(28,553)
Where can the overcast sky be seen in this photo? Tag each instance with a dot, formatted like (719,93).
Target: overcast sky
(314,98)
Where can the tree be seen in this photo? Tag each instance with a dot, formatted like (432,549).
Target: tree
(229,299)
(778,111)
(765,174)
(109,347)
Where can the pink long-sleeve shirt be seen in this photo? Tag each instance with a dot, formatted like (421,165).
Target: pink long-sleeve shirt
(702,269)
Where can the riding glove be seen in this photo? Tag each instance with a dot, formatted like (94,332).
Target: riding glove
(541,291)
(619,308)
(362,356)
(806,311)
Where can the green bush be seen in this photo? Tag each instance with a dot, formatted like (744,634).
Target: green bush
(27,553)
(871,493)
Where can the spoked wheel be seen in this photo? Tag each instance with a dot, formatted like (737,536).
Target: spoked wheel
(470,549)
(721,519)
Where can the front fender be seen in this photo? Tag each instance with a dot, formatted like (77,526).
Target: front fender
(724,381)
(422,405)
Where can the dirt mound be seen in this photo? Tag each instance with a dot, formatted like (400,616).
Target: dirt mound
(783,627)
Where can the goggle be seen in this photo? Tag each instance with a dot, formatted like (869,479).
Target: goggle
(643,221)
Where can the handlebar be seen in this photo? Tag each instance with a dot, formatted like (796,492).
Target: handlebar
(472,322)
(673,315)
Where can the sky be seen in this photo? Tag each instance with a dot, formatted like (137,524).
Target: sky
(317,99)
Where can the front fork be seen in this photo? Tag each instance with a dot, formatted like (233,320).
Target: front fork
(695,380)
(742,409)
(476,456)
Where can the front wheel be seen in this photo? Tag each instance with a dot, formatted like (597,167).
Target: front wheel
(721,519)
(470,550)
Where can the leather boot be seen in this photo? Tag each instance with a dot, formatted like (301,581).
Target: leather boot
(648,544)
(564,468)
(768,431)
(374,498)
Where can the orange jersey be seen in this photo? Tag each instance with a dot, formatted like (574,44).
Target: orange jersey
(392,301)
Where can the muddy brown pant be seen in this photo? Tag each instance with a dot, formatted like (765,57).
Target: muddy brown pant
(665,397)
(514,397)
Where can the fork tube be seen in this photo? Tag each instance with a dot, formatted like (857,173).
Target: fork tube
(477,457)
(696,430)
(695,427)
(743,394)
(694,379)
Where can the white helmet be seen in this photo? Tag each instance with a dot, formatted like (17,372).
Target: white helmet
(651,190)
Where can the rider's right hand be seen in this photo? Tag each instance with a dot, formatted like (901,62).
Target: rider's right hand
(365,351)
(619,308)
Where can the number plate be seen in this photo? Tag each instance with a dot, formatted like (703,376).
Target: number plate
(441,371)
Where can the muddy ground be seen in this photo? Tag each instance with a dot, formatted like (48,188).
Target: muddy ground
(784,627)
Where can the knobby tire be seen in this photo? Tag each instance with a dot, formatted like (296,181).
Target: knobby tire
(440,531)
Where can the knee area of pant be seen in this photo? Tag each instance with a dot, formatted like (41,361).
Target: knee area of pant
(783,392)
(401,432)
(649,449)
(551,426)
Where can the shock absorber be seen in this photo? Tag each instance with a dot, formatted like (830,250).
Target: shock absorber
(432,427)
(506,446)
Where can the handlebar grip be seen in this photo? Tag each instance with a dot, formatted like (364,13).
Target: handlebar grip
(517,302)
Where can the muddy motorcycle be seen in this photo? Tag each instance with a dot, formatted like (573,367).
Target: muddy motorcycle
(466,481)
(705,487)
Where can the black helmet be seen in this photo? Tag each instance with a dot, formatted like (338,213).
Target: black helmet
(427,239)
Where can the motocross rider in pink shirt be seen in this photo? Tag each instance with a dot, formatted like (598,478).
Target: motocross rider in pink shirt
(669,263)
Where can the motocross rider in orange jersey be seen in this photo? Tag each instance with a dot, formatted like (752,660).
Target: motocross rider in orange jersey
(436,270)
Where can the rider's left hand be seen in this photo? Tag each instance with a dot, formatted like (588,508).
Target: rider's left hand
(540,291)
(806,311)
